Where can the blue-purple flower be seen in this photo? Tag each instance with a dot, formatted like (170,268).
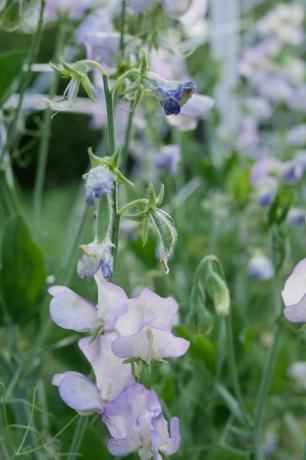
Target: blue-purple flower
(136,423)
(168,159)
(172,99)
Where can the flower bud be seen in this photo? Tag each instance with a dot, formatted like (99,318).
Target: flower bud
(100,182)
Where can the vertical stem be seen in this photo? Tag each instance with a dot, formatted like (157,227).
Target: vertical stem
(45,138)
(233,366)
(77,437)
(25,80)
(122,27)
(109,99)
(264,390)
(127,139)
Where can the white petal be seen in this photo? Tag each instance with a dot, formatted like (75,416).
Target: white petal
(70,311)
(295,286)
(112,302)
(112,376)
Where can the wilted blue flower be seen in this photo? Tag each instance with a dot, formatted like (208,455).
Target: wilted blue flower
(173,99)
(260,267)
(96,256)
(100,181)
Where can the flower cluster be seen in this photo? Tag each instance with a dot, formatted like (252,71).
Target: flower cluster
(134,330)
(273,73)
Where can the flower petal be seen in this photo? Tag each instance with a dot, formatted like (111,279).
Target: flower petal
(148,306)
(150,343)
(112,302)
(112,376)
(295,286)
(70,311)
(167,444)
(125,410)
(79,393)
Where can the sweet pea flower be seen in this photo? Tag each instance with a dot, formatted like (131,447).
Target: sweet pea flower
(103,47)
(75,9)
(138,6)
(174,95)
(136,423)
(111,376)
(70,311)
(145,329)
(297,136)
(294,294)
(260,267)
(97,21)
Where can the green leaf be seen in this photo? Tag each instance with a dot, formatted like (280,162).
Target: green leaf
(22,274)
(10,66)
(166,233)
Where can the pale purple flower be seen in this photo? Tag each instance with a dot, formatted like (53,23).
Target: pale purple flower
(297,99)
(248,134)
(75,9)
(296,216)
(111,377)
(145,329)
(103,47)
(258,107)
(98,21)
(292,171)
(138,6)
(196,108)
(136,423)
(294,294)
(168,159)
(194,13)
(70,311)
(263,169)
(297,136)
(297,371)
(260,267)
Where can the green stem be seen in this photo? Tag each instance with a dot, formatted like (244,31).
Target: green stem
(264,390)
(122,27)
(109,100)
(233,366)
(25,80)
(77,437)
(127,139)
(45,138)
